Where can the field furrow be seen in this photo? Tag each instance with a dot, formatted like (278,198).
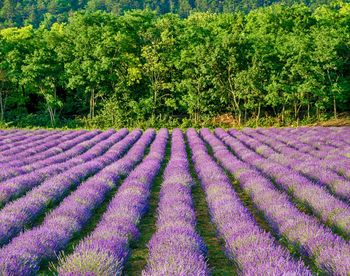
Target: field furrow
(249,202)
(37,147)
(308,166)
(254,251)
(176,248)
(303,233)
(18,214)
(328,208)
(105,250)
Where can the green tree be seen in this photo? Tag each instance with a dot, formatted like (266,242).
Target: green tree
(331,41)
(16,44)
(194,64)
(159,56)
(227,60)
(43,69)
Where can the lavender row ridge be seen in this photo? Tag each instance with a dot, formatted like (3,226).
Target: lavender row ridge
(5,134)
(331,148)
(301,162)
(242,236)
(291,140)
(36,147)
(17,186)
(19,139)
(51,156)
(176,248)
(331,253)
(318,136)
(328,208)
(24,257)
(33,142)
(31,156)
(106,249)
(16,215)
(300,150)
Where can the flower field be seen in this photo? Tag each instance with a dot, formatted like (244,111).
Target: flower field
(249,202)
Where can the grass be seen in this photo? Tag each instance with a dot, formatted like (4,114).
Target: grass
(37,121)
(217,260)
(259,217)
(46,178)
(139,254)
(48,268)
(302,206)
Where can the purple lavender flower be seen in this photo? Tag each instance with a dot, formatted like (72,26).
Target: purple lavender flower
(16,215)
(106,249)
(243,238)
(330,252)
(25,253)
(176,248)
(306,164)
(17,186)
(36,147)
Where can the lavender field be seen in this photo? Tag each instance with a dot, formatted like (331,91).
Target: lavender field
(250,202)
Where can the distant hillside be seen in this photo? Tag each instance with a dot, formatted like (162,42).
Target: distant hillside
(18,13)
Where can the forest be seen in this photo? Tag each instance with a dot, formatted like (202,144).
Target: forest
(19,13)
(143,69)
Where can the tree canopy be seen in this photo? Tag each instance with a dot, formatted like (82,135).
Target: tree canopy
(283,61)
(19,13)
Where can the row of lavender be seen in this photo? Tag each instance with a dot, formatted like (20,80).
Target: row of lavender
(24,254)
(175,248)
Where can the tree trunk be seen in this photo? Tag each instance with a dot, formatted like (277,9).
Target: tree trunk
(92,104)
(245,111)
(236,106)
(52,115)
(155,95)
(3,99)
(49,107)
(295,107)
(55,96)
(257,117)
(283,109)
(197,102)
(239,116)
(234,112)
(308,111)
(335,107)
(1,105)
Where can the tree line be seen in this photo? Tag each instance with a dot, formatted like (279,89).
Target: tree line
(281,61)
(19,13)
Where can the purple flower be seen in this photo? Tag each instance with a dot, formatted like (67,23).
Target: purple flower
(106,249)
(241,234)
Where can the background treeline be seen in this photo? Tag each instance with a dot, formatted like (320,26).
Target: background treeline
(139,69)
(19,13)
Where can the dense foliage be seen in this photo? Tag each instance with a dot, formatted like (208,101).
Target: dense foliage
(286,62)
(18,13)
